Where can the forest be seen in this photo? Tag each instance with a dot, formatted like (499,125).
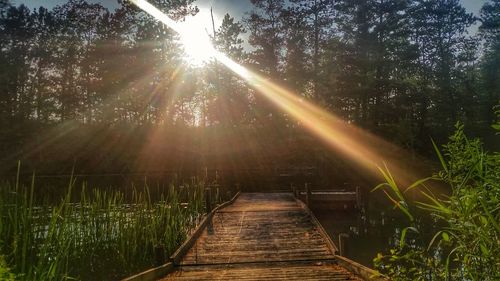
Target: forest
(110,128)
(85,81)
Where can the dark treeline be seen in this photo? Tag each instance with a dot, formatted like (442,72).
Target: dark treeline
(112,90)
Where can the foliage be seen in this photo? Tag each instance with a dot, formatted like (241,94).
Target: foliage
(402,69)
(5,273)
(97,236)
(466,245)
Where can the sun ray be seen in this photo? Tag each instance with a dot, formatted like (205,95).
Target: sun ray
(363,148)
(197,44)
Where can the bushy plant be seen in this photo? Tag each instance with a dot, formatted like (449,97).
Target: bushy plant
(466,244)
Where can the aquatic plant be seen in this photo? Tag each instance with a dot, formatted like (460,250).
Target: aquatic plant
(466,245)
(98,236)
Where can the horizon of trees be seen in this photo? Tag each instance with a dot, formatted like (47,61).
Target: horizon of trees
(406,70)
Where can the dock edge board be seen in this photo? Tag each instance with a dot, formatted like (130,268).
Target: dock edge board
(174,260)
(356,268)
(162,270)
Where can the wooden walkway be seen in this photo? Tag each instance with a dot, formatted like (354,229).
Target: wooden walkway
(263,236)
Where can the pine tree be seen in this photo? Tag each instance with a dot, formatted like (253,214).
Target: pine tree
(229,103)
(490,72)
(440,26)
(265,25)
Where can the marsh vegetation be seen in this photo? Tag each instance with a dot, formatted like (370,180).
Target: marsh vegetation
(93,234)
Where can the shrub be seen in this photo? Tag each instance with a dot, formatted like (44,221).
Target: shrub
(466,244)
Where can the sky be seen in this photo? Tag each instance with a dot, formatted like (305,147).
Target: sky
(235,8)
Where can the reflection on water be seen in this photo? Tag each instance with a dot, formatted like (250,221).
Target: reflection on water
(363,236)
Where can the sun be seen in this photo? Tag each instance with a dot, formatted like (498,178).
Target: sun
(197,47)
(196,42)
(193,32)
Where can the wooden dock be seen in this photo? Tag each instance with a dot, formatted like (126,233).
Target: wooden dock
(259,236)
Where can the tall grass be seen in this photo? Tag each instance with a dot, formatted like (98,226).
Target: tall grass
(99,236)
(466,244)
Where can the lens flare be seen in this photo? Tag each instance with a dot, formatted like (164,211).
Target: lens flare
(363,148)
(197,46)
(193,37)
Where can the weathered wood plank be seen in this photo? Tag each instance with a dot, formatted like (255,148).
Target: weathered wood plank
(263,202)
(265,271)
(160,271)
(263,236)
(260,227)
(184,248)
(153,273)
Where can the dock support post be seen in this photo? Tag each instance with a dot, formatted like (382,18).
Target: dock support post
(308,195)
(293,190)
(342,247)
(358,197)
(208,200)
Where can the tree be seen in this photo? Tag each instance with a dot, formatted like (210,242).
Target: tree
(265,24)
(43,67)
(15,101)
(297,70)
(266,35)
(78,23)
(353,20)
(229,97)
(153,59)
(490,72)
(313,20)
(440,26)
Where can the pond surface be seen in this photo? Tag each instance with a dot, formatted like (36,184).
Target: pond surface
(363,236)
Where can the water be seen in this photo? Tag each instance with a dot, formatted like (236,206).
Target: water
(363,236)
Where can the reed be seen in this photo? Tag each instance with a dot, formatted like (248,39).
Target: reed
(99,236)
(465,244)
